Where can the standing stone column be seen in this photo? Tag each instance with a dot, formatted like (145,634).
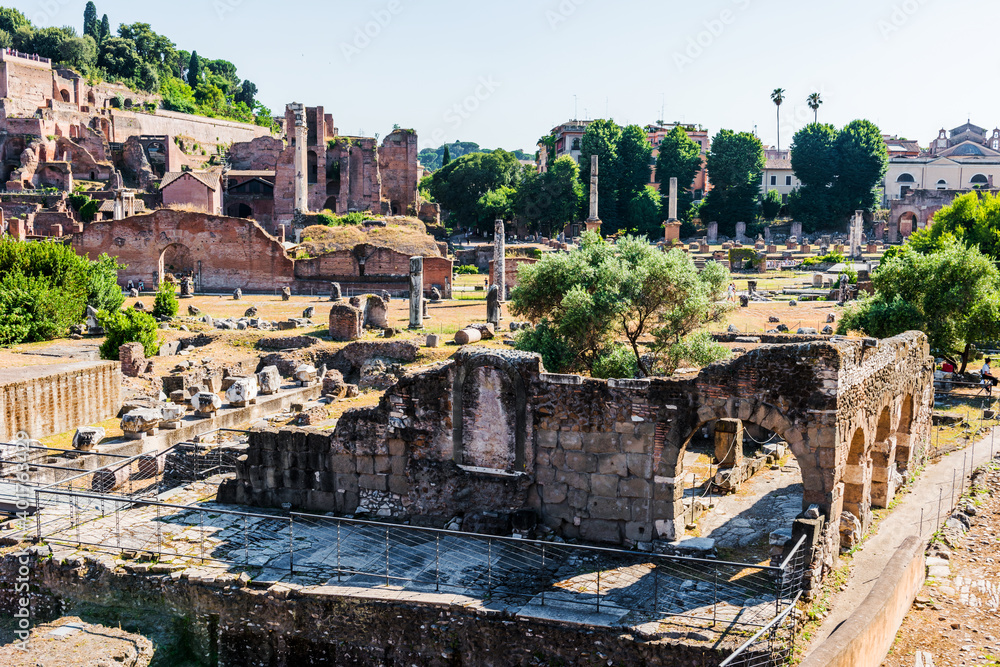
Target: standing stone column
(499,263)
(594,221)
(416,292)
(673,199)
(301,158)
(857,223)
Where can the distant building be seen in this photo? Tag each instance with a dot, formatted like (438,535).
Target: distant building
(696,133)
(568,137)
(967,158)
(778,174)
(197,191)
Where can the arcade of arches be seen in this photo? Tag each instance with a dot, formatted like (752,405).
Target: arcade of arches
(602,460)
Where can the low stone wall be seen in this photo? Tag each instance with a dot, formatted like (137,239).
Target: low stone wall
(770,339)
(265,626)
(45,400)
(866,637)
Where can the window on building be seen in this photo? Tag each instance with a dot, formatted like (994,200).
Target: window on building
(788,180)
(905,178)
(942,184)
(979,181)
(784,199)
(774,180)
(576,144)
(996,144)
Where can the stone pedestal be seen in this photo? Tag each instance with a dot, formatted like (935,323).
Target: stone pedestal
(713,233)
(729,443)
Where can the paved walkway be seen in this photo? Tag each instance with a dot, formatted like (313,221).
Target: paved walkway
(917,513)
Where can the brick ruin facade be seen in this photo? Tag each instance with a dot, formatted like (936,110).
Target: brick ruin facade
(602,460)
(223,254)
(343,173)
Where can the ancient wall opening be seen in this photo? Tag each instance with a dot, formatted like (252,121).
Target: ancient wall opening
(489,415)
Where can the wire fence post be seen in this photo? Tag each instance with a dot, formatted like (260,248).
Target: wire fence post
(201,542)
(656,589)
(598,589)
(38,519)
(159,540)
(437,562)
(118,526)
(387,555)
(715,596)
(338,552)
(291,545)
(546,583)
(489,566)
(246,543)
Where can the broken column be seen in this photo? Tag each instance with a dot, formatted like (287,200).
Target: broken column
(499,255)
(713,233)
(301,158)
(672,227)
(729,443)
(857,224)
(593,221)
(416,292)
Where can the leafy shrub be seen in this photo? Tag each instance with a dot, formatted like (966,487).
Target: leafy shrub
(557,355)
(127,326)
(466,269)
(832,257)
(617,362)
(165,303)
(45,287)
(699,349)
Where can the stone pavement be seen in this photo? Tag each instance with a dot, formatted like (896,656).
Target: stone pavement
(202,540)
(917,513)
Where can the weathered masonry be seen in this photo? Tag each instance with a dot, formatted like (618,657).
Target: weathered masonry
(43,400)
(491,432)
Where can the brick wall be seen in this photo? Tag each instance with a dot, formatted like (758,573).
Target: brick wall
(45,400)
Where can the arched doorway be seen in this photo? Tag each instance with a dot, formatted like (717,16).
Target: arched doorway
(857,480)
(905,183)
(330,204)
(64,94)
(395,208)
(903,435)
(489,418)
(176,260)
(907,223)
(883,459)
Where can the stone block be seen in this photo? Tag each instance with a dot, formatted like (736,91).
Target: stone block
(600,443)
(347,483)
(397,447)
(320,501)
(613,464)
(580,462)
(634,488)
(545,438)
(598,530)
(366,465)
(638,531)
(343,463)
(545,476)
(399,485)
(641,509)
(616,509)
(554,493)
(578,499)
(640,465)
(374,482)
(382,464)
(571,440)
(398,465)
(604,485)
(574,479)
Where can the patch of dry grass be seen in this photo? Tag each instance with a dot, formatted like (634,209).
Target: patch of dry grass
(405,235)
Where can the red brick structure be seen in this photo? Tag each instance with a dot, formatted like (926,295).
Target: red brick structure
(345,322)
(195,190)
(511,267)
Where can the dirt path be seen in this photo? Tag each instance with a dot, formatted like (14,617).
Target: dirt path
(933,485)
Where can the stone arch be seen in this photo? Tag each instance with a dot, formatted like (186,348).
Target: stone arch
(817,487)
(330,204)
(395,208)
(91,99)
(512,382)
(176,258)
(883,461)
(908,221)
(64,94)
(857,479)
(904,434)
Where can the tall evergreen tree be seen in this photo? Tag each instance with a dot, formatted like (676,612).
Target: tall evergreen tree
(678,157)
(735,163)
(194,70)
(447,156)
(105,29)
(90,25)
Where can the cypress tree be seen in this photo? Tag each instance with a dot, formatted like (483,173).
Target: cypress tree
(447,156)
(105,29)
(90,25)
(194,70)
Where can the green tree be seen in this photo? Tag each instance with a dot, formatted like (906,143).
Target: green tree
(11,20)
(952,295)
(165,302)
(209,96)
(447,156)
(592,297)
(778,96)
(48,42)
(90,25)
(839,172)
(679,157)
(735,165)
(459,186)
(642,214)
(548,201)
(247,93)
(602,138)
(80,53)
(105,29)
(103,291)
(152,48)
(177,95)
(119,58)
(973,219)
(495,205)
(634,154)
(770,205)
(194,70)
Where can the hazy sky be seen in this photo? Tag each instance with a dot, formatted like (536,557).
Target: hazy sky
(504,73)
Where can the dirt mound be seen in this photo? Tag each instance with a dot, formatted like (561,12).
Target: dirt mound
(405,235)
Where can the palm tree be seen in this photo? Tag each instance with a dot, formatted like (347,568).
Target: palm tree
(814,101)
(778,96)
